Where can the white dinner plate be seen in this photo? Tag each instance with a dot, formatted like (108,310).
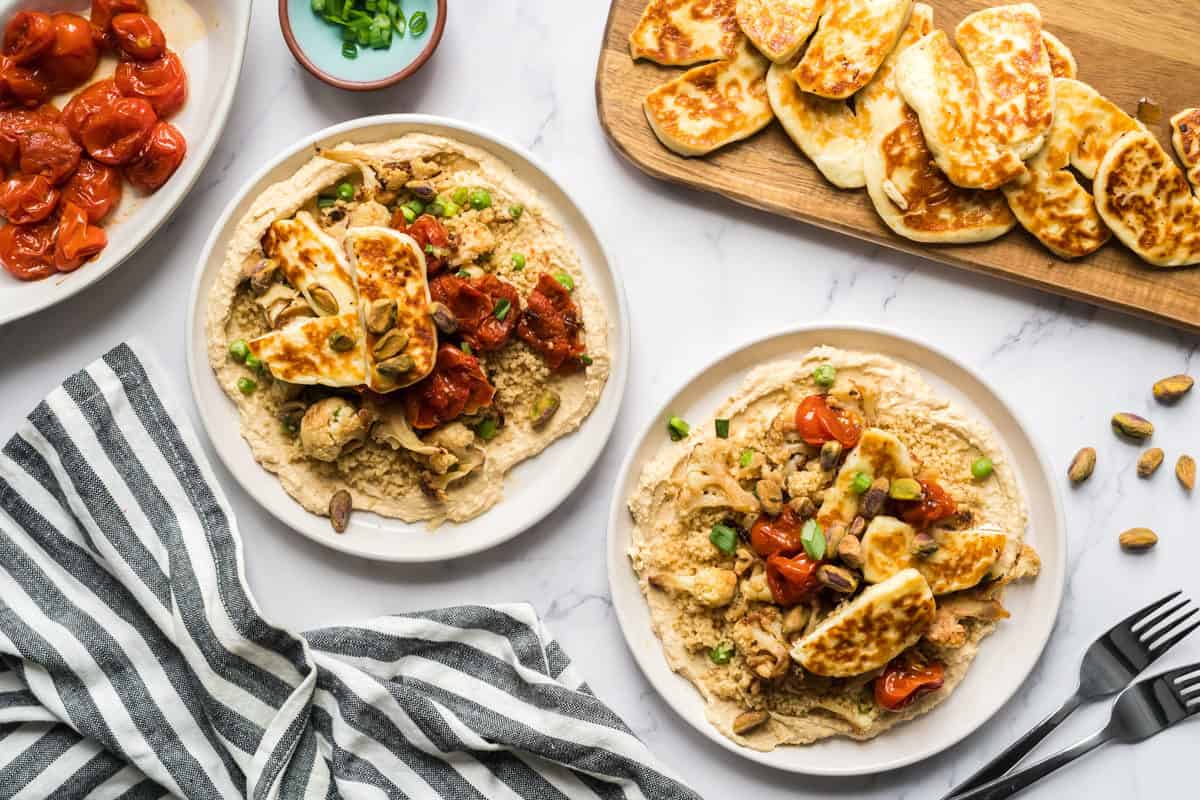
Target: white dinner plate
(1005,658)
(533,488)
(212,55)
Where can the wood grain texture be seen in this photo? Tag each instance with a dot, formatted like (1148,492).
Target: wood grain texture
(1127,49)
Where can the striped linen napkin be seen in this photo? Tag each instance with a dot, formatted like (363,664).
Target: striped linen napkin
(137,665)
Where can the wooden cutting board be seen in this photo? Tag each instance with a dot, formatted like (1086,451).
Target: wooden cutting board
(1127,49)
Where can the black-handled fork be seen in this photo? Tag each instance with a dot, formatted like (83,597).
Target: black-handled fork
(1144,709)
(1109,665)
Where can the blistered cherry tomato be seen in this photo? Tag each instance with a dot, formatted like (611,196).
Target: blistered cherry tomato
(935,504)
(163,82)
(28,35)
(792,580)
(88,101)
(23,86)
(95,188)
(27,251)
(117,134)
(456,386)
(771,536)
(77,240)
(903,681)
(552,326)
(74,56)
(139,36)
(487,308)
(103,12)
(430,235)
(818,423)
(162,155)
(26,199)
(51,153)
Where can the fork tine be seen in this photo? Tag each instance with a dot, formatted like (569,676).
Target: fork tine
(1145,627)
(1149,638)
(1184,685)
(1163,647)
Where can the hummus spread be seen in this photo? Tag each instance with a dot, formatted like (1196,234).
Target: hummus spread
(750,549)
(486,226)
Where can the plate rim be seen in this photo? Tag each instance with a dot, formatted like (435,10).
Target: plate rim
(209,146)
(615,561)
(618,318)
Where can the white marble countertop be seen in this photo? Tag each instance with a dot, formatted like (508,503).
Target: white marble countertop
(718,274)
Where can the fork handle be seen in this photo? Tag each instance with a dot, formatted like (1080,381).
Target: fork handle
(1009,785)
(1018,749)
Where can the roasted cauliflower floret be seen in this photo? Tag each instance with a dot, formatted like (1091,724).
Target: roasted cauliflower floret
(709,586)
(709,484)
(331,427)
(755,587)
(758,638)
(370,213)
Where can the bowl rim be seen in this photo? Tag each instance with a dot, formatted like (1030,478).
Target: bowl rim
(293,44)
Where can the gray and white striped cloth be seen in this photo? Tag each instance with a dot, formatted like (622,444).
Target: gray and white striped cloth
(137,665)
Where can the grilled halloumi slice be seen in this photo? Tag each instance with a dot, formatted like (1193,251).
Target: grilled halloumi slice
(779,28)
(942,89)
(879,454)
(962,560)
(1004,46)
(1062,60)
(1143,196)
(870,630)
(912,196)
(680,33)
(1049,201)
(831,133)
(851,42)
(313,263)
(319,350)
(389,274)
(1185,135)
(711,106)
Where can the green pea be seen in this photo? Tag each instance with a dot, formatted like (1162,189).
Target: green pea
(586,360)
(721,654)
(677,428)
(460,195)
(239,350)
(246,385)
(746,459)
(516,211)
(724,538)
(518,261)
(566,280)
(416,207)
(254,362)
(825,375)
(450,208)
(861,483)
(410,216)
(982,468)
(345,191)
(481,199)
(487,429)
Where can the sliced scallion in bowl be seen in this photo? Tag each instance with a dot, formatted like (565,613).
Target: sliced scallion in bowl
(369,23)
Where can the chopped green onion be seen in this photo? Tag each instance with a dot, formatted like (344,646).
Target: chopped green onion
(861,483)
(460,195)
(677,428)
(246,385)
(722,426)
(239,350)
(254,362)
(481,199)
(416,206)
(462,273)
(429,249)
(518,261)
(982,468)
(349,49)
(345,191)
(721,654)
(724,538)
(586,360)
(466,348)
(813,539)
(417,23)
(450,208)
(501,309)
(437,208)
(410,216)
(566,280)
(825,375)
(747,458)
(325,201)
(486,429)
(399,23)
(516,211)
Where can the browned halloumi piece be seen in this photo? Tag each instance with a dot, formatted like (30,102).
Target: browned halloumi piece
(879,454)
(831,133)
(1145,199)
(389,274)
(1048,200)
(326,351)
(852,41)
(711,106)
(911,195)
(779,28)
(1062,60)
(313,263)
(1185,135)
(962,558)
(685,32)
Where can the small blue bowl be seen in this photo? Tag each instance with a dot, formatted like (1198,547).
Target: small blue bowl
(317,45)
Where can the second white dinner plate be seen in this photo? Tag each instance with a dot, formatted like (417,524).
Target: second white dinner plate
(1005,658)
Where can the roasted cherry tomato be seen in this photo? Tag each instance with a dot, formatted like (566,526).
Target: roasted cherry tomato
(430,235)
(26,199)
(779,535)
(935,504)
(27,251)
(117,134)
(138,36)
(51,153)
(15,127)
(551,325)
(96,97)
(162,155)
(487,308)
(456,386)
(904,680)
(162,82)
(95,188)
(818,423)
(103,12)
(73,57)
(76,240)
(792,580)
(28,35)
(23,86)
